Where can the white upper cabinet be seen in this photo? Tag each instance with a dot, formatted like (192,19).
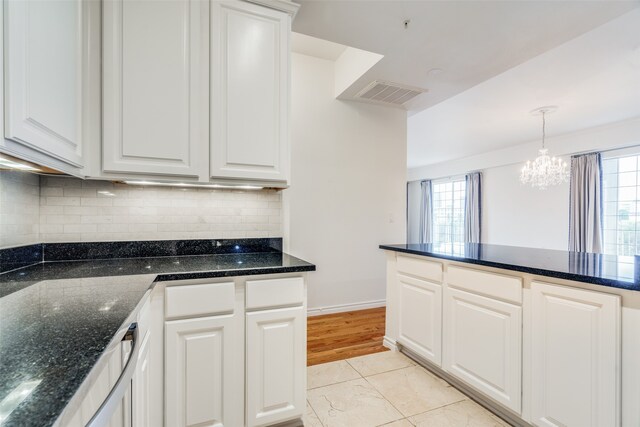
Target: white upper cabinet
(155,87)
(43,77)
(575,360)
(176,90)
(249,91)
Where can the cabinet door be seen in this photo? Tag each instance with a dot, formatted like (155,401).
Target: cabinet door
(140,386)
(123,415)
(420,321)
(249,92)
(203,372)
(155,97)
(575,342)
(43,77)
(115,360)
(483,345)
(276,365)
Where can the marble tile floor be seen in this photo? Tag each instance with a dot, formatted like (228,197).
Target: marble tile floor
(387,389)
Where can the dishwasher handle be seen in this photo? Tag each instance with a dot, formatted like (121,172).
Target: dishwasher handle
(103,415)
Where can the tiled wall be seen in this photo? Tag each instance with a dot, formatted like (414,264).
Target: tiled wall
(73,210)
(19,208)
(58,209)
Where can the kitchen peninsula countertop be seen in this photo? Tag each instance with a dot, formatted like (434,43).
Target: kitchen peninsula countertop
(57,318)
(605,270)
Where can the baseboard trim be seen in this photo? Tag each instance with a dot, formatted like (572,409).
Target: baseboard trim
(341,308)
(390,343)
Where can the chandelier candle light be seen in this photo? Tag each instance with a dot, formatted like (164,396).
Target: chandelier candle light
(545,170)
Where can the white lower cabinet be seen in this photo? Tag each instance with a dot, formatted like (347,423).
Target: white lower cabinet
(543,353)
(575,345)
(276,360)
(234,352)
(420,317)
(141,408)
(203,372)
(483,345)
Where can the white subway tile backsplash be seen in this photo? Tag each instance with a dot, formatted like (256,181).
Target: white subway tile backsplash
(63,237)
(96,201)
(114,228)
(60,201)
(19,208)
(61,209)
(53,191)
(275,219)
(60,219)
(79,210)
(52,210)
(79,192)
(103,211)
(51,228)
(80,228)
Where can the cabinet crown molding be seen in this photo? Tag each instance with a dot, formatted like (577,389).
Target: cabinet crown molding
(282,5)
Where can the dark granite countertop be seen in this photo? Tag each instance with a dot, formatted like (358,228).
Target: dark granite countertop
(606,270)
(57,318)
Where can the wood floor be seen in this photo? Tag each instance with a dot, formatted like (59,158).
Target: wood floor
(340,336)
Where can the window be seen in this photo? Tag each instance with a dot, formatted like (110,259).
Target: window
(621,194)
(448,214)
(621,188)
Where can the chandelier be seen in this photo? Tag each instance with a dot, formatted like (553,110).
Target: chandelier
(545,170)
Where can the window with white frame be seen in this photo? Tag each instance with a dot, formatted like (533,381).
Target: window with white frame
(448,214)
(621,194)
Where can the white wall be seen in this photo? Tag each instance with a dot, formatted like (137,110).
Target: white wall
(348,188)
(517,215)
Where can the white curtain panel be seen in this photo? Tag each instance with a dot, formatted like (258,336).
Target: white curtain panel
(473,208)
(585,203)
(426,212)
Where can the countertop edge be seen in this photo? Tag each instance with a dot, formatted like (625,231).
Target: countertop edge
(522,269)
(168,277)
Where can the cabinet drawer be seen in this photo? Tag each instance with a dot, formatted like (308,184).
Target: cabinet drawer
(275,292)
(199,300)
(420,267)
(508,288)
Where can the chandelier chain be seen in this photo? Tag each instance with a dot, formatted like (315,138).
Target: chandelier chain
(545,170)
(544,123)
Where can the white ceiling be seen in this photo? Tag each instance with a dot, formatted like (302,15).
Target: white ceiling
(471,41)
(594,79)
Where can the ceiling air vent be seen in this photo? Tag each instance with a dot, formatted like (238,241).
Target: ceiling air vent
(389,93)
